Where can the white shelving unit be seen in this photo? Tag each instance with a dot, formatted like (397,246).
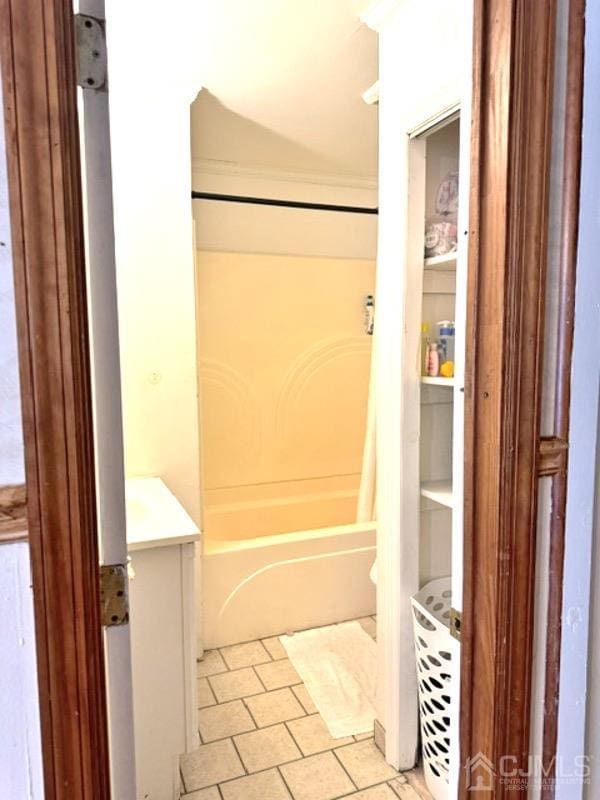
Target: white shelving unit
(442,297)
(440,151)
(438,381)
(445,262)
(438,491)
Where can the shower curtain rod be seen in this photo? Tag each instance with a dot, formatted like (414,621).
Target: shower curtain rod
(265,201)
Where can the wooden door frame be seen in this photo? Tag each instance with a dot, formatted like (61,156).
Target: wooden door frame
(514,46)
(511,143)
(505,456)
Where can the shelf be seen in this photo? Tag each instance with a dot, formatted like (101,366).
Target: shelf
(449,382)
(445,262)
(438,491)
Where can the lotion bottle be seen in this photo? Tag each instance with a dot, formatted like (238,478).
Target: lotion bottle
(433,360)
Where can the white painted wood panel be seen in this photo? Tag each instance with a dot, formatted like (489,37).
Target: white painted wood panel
(163,657)
(20,744)
(106,399)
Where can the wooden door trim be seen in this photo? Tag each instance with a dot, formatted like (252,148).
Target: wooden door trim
(511,143)
(39,87)
(13,514)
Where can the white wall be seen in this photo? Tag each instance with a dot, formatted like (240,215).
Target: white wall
(20,748)
(580,645)
(239,228)
(153,81)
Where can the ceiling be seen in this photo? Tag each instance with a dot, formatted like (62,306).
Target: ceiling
(282,86)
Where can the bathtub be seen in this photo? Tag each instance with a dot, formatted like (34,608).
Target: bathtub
(253,588)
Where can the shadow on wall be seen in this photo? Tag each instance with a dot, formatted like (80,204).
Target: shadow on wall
(217,129)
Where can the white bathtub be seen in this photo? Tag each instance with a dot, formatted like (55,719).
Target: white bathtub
(252,588)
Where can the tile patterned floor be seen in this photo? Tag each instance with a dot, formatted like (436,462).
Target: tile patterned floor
(262,738)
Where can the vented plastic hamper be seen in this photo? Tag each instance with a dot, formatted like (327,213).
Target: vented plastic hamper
(433,646)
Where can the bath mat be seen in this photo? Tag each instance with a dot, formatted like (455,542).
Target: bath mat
(338,665)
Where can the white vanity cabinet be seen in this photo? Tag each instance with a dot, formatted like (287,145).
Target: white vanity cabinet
(162,542)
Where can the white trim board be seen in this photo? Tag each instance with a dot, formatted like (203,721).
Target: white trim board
(257,180)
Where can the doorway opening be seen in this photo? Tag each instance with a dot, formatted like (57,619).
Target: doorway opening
(164,389)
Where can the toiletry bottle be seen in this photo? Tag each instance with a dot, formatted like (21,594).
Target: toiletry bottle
(446,340)
(446,348)
(424,347)
(433,360)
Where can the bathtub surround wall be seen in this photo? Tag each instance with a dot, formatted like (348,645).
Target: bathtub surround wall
(282,417)
(284,370)
(295,281)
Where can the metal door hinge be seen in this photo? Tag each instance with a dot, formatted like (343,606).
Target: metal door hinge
(114,595)
(90,46)
(455,620)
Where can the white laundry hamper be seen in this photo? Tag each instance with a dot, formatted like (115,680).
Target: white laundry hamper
(433,648)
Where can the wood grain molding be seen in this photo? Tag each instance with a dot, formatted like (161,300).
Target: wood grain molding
(13,514)
(552,456)
(39,88)
(511,137)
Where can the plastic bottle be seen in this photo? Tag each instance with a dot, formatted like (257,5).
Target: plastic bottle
(433,360)
(424,347)
(446,340)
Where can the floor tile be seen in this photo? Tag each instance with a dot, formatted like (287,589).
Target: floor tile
(271,707)
(361,736)
(266,748)
(381,792)
(260,786)
(203,794)
(311,735)
(211,664)
(302,694)
(277,674)
(365,764)
(210,764)
(369,625)
(416,779)
(275,648)
(232,685)
(245,655)
(318,777)
(227,719)
(403,789)
(205,694)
